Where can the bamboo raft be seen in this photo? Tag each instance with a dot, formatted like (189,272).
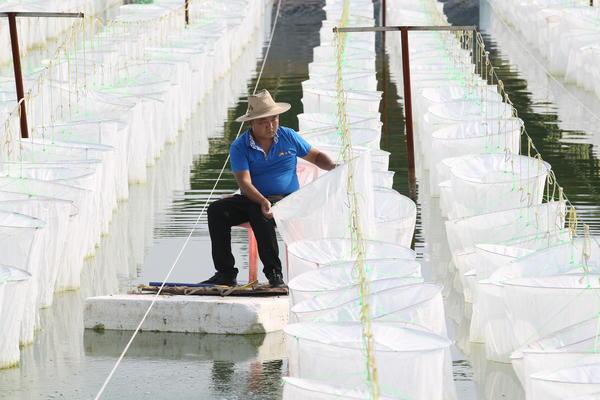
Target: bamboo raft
(252,289)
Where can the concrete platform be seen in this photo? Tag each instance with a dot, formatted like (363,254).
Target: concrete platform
(195,314)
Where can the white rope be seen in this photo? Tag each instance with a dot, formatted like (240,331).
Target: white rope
(187,240)
(539,63)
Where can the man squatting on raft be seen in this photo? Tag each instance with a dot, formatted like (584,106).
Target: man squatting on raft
(263,161)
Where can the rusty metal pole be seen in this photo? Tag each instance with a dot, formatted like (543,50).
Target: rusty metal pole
(14,43)
(410,145)
(383,23)
(384,74)
(187,12)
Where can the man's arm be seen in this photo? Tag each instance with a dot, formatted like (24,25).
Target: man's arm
(244,182)
(320,159)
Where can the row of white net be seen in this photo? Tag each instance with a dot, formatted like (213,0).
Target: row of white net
(36,32)
(100,128)
(532,284)
(564,32)
(364,324)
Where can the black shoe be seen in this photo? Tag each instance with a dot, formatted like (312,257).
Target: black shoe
(276,280)
(222,278)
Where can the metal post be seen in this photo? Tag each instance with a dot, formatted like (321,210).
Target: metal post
(14,44)
(187,12)
(383,23)
(16,56)
(384,74)
(412,181)
(410,147)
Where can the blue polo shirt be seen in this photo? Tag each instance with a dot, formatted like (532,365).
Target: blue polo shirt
(275,172)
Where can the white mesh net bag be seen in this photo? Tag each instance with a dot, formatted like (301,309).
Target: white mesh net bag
(352,81)
(395,217)
(111,133)
(74,176)
(429,96)
(21,247)
(496,227)
(497,330)
(340,276)
(390,300)
(487,258)
(380,159)
(310,121)
(332,353)
(553,271)
(571,346)
(581,255)
(325,101)
(365,137)
(442,115)
(301,389)
(14,288)
(78,223)
(321,209)
(492,257)
(334,9)
(326,51)
(485,261)
(351,64)
(494,182)
(326,32)
(538,306)
(566,383)
(56,214)
(475,137)
(308,255)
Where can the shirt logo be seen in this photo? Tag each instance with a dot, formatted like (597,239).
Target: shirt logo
(284,153)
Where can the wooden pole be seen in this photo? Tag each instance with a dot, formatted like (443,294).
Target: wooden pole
(187,12)
(16,56)
(14,44)
(383,23)
(412,180)
(384,73)
(410,147)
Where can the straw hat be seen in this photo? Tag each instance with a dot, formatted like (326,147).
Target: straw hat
(262,105)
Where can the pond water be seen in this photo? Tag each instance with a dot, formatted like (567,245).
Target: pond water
(147,231)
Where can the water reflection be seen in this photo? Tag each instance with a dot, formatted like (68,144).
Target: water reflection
(189,346)
(68,362)
(148,230)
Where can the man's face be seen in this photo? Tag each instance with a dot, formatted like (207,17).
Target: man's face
(265,128)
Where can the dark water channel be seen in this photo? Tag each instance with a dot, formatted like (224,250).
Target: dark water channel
(68,362)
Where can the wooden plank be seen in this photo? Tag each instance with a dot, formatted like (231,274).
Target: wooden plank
(256,290)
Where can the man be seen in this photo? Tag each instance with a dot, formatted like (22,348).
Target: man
(263,161)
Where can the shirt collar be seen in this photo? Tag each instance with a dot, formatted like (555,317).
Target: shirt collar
(253,144)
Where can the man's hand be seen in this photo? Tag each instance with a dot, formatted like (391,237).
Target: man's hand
(265,207)
(320,159)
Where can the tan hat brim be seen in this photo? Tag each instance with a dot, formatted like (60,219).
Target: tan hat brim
(279,108)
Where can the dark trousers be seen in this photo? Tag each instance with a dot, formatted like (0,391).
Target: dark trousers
(235,210)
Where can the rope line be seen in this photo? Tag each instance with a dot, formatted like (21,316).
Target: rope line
(165,279)
(355,223)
